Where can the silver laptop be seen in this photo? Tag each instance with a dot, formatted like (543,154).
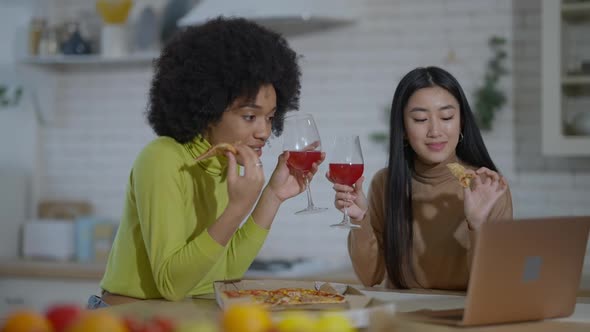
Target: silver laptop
(522,270)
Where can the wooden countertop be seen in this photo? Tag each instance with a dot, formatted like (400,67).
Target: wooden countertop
(207,309)
(50,269)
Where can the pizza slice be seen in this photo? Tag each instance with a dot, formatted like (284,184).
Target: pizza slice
(258,295)
(459,172)
(298,296)
(217,150)
(288,296)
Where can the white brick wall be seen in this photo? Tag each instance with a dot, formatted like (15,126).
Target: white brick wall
(349,75)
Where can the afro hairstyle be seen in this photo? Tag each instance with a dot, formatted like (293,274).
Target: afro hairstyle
(205,68)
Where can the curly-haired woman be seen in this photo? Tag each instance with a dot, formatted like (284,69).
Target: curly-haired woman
(226,81)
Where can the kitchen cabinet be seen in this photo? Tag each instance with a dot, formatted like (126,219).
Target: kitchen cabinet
(40,294)
(565,77)
(40,284)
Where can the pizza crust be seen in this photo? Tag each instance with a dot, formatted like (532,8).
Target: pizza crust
(218,149)
(459,172)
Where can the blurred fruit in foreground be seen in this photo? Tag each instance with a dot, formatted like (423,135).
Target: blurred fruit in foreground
(296,321)
(246,317)
(164,324)
(26,321)
(133,324)
(197,326)
(155,324)
(334,322)
(61,316)
(95,321)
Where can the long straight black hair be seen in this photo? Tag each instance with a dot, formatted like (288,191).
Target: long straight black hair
(398,234)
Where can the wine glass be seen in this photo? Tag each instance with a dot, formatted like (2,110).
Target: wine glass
(302,139)
(346,167)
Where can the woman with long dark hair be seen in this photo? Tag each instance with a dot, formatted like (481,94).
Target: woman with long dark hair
(418,225)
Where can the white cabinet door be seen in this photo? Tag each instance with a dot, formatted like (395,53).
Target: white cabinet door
(556,104)
(39,294)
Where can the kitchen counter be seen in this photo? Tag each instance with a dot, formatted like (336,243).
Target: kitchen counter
(207,309)
(11,268)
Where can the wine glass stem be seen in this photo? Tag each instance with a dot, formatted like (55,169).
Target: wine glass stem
(345,217)
(309,199)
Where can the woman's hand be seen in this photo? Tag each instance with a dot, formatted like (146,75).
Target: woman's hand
(353,198)
(285,182)
(487,187)
(243,191)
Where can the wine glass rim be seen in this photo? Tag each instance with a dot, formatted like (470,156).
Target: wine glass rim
(339,139)
(297,114)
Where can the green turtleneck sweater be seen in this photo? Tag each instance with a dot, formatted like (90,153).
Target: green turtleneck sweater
(162,247)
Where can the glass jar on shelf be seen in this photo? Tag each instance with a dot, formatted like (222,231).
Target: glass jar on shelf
(36,27)
(49,44)
(73,42)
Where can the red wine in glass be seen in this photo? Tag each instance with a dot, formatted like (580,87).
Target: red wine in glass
(346,174)
(303,160)
(346,167)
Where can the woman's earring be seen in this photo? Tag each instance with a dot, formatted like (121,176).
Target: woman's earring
(460,137)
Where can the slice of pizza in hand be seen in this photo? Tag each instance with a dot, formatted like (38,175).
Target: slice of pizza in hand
(218,149)
(460,173)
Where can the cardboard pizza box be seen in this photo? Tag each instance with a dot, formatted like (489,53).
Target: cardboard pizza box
(358,306)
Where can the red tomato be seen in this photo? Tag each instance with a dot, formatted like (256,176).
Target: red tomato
(61,316)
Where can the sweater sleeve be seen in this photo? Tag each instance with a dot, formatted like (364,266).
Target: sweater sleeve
(243,248)
(502,211)
(365,245)
(177,264)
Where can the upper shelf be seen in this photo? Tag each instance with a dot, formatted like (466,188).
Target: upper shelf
(136,58)
(575,80)
(576,9)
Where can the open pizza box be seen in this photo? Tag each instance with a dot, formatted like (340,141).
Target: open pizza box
(357,306)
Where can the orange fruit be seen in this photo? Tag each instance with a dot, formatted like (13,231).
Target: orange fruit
(26,321)
(246,317)
(296,321)
(334,322)
(97,321)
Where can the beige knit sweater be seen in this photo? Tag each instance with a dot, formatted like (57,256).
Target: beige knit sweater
(442,241)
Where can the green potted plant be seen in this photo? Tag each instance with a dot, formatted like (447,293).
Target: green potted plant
(382,137)
(489,98)
(10,96)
